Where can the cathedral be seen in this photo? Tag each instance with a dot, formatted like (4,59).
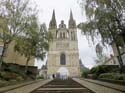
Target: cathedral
(63,55)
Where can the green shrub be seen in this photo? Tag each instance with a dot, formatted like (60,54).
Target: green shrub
(85,73)
(112,76)
(2,74)
(104,69)
(40,77)
(99,69)
(94,76)
(107,75)
(8,75)
(12,81)
(3,82)
(19,78)
(12,72)
(13,68)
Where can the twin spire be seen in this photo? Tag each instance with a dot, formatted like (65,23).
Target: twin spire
(53,24)
(72,22)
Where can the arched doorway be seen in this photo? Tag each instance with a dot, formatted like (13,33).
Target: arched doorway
(63,71)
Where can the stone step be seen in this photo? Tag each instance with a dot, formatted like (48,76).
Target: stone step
(62,90)
(75,91)
(62,86)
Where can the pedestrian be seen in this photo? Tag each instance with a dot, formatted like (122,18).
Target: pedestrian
(53,76)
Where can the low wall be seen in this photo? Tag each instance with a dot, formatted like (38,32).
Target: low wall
(32,70)
(101,87)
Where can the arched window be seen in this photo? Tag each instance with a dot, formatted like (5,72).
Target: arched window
(62,59)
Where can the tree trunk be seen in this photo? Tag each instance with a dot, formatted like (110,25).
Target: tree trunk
(119,59)
(5,45)
(119,54)
(26,66)
(123,35)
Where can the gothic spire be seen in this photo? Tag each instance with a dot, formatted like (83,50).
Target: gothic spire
(53,16)
(52,23)
(72,22)
(71,16)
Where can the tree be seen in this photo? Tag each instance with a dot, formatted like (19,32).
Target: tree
(106,18)
(35,43)
(4,35)
(17,13)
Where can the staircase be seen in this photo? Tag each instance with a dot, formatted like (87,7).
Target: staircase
(62,86)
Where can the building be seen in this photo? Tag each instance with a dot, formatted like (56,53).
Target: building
(63,56)
(10,56)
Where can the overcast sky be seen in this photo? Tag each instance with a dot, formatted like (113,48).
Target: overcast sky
(62,11)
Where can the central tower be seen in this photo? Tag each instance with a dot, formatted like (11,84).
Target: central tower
(63,51)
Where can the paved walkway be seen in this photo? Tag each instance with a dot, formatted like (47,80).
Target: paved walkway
(23,87)
(115,86)
(100,86)
(10,87)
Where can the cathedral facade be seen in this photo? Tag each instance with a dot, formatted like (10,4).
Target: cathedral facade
(63,55)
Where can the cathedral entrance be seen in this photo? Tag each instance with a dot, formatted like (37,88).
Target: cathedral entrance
(63,71)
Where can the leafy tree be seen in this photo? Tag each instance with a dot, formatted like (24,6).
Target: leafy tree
(17,13)
(106,18)
(35,43)
(4,35)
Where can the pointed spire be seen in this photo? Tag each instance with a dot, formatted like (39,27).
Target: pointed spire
(53,16)
(71,15)
(72,22)
(53,21)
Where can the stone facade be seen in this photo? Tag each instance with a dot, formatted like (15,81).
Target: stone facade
(63,50)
